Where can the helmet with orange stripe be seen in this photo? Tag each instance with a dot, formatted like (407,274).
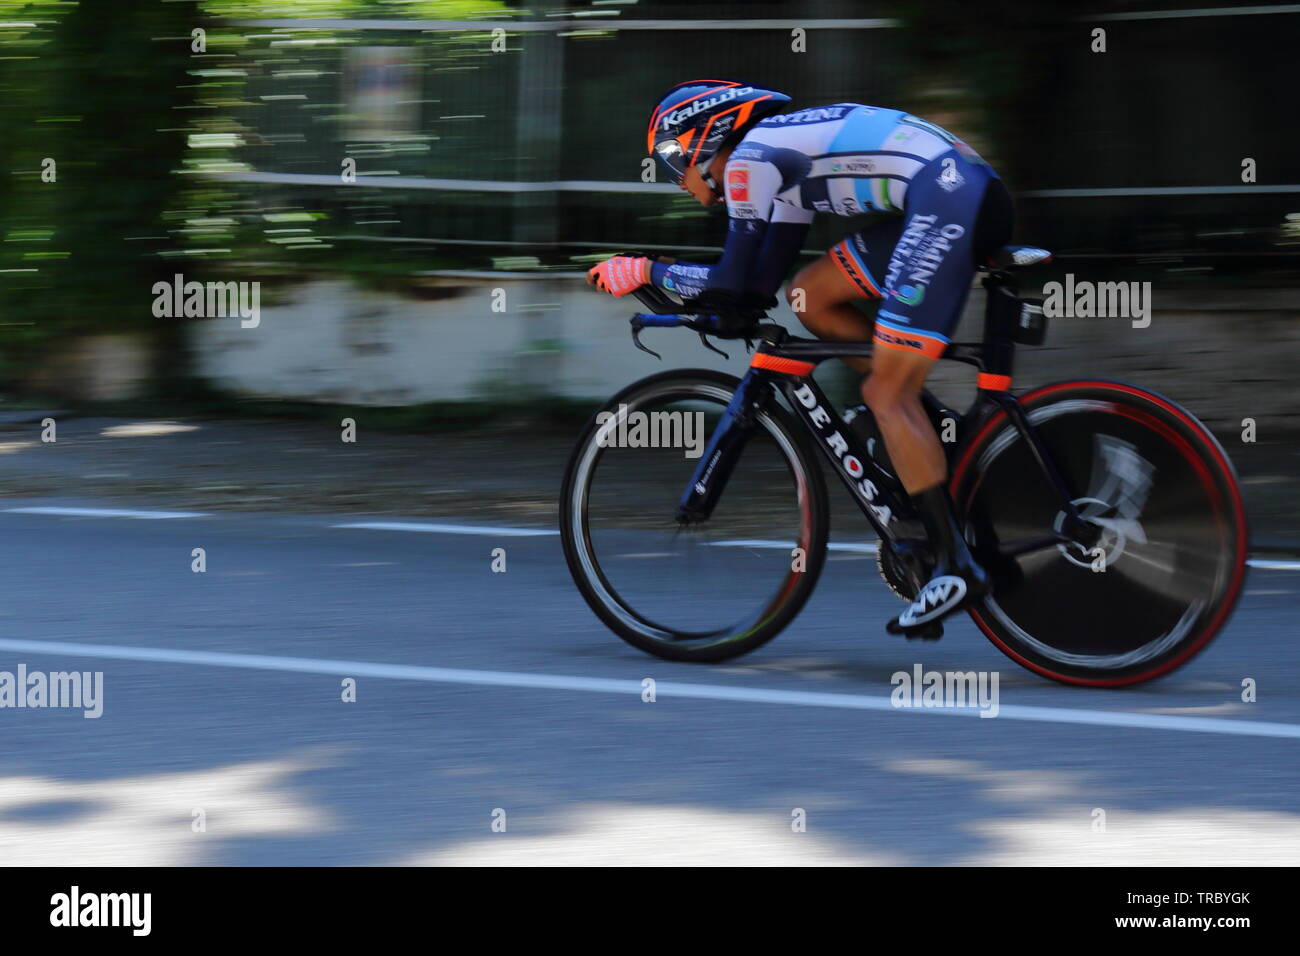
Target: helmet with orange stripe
(697,118)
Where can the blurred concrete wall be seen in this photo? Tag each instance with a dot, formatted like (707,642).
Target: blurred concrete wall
(333,341)
(1226,356)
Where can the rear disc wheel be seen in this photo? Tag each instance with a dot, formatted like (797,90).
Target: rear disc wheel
(1158,564)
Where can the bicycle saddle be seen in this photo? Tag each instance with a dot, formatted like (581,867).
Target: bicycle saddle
(1009,256)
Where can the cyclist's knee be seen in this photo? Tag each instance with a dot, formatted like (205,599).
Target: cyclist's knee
(893,388)
(886,397)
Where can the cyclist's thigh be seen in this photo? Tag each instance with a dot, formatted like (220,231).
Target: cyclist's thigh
(952,212)
(861,258)
(849,270)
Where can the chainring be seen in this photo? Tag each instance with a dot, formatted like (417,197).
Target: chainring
(900,573)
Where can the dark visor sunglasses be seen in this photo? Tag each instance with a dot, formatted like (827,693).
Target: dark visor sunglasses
(670,153)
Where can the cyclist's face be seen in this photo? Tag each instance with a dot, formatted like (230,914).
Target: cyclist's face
(694,183)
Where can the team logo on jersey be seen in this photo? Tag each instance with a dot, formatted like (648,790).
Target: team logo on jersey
(738,184)
(919,253)
(819,114)
(895,338)
(909,294)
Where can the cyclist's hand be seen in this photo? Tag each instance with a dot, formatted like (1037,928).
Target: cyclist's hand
(620,275)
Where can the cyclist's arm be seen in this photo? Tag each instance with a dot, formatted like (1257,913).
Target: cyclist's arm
(781,245)
(763,239)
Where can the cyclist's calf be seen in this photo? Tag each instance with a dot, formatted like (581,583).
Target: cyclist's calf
(893,393)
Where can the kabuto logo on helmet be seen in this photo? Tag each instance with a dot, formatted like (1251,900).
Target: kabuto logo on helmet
(699,106)
(694,119)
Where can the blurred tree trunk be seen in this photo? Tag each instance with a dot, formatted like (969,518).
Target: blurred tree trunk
(109,113)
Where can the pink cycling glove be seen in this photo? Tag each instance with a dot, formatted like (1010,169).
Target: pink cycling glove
(620,275)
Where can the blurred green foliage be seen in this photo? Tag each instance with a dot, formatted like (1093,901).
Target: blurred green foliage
(110,118)
(136,115)
(90,107)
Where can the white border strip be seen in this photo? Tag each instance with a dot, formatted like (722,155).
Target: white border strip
(665,690)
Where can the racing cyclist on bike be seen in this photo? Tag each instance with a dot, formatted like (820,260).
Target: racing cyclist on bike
(948,211)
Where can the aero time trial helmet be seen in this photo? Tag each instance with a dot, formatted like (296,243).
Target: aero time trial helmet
(696,118)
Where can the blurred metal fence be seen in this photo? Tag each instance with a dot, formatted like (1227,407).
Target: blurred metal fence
(537,138)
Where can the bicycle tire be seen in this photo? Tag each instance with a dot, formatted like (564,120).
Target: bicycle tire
(584,564)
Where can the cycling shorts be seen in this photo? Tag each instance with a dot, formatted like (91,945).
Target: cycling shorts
(956,214)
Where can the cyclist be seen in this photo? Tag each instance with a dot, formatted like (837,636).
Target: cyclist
(727,140)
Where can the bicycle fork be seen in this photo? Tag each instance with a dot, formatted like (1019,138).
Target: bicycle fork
(723,450)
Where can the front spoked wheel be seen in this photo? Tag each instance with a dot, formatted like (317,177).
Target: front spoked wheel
(1157,565)
(703,591)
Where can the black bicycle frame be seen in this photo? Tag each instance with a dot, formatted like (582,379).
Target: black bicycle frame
(784,363)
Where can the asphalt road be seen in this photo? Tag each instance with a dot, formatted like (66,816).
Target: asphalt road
(484,696)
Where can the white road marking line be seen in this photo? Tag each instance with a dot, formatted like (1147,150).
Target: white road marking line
(1263,564)
(666,689)
(788,545)
(446,528)
(1269,564)
(107,513)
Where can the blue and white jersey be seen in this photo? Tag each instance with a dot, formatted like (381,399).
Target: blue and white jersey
(845,159)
